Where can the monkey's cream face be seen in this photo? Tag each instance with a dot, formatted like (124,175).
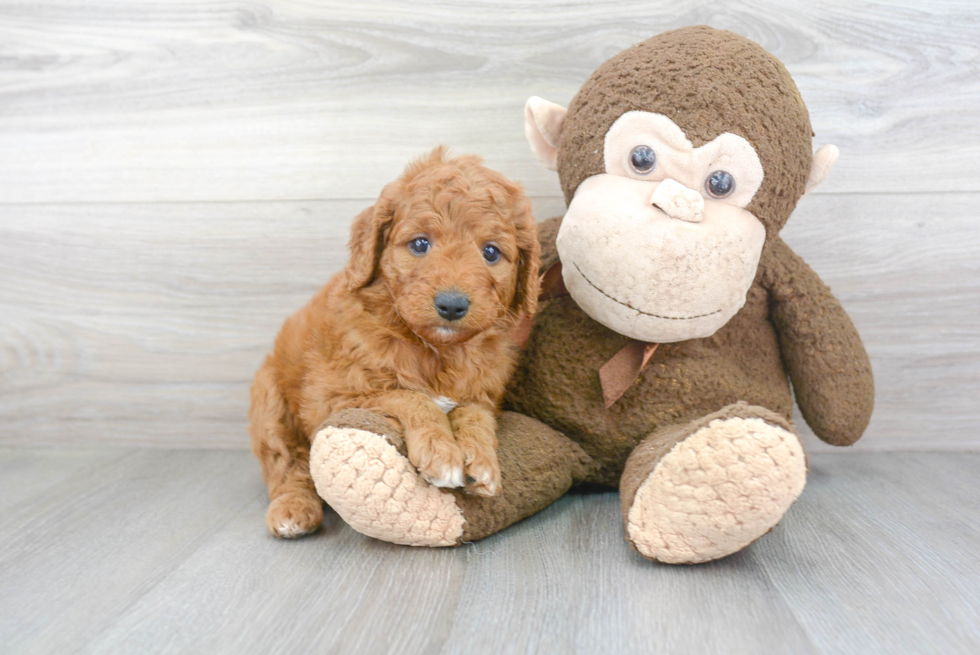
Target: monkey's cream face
(660,247)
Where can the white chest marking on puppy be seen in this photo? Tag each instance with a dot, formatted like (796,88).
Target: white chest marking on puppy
(445,404)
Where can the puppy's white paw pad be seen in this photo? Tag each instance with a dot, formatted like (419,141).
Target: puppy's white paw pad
(481,482)
(289,529)
(449,477)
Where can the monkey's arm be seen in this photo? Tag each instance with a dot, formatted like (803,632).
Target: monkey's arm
(826,360)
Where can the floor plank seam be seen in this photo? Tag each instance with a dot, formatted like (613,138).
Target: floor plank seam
(27,504)
(789,607)
(184,555)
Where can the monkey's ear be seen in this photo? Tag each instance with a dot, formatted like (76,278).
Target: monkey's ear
(823,160)
(367,239)
(543,121)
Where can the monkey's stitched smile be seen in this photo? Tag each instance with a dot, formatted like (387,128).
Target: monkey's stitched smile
(640,311)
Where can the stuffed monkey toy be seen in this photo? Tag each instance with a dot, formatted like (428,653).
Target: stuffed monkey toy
(673,321)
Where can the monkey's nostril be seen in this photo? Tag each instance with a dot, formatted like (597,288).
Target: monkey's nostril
(452,305)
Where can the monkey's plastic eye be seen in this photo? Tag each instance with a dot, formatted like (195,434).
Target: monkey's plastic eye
(491,253)
(720,184)
(643,159)
(419,246)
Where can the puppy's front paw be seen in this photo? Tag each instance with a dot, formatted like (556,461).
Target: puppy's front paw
(293,515)
(482,470)
(437,458)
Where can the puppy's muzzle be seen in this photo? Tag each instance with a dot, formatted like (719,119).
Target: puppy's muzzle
(452,305)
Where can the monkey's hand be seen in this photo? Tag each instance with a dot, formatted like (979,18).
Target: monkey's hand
(827,363)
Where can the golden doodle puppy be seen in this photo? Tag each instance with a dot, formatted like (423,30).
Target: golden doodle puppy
(419,327)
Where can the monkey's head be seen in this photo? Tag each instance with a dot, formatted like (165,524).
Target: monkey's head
(680,159)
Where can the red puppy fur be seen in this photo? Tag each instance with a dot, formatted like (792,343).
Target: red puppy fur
(442,268)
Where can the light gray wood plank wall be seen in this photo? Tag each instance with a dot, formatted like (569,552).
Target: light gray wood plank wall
(143,324)
(203,100)
(175,179)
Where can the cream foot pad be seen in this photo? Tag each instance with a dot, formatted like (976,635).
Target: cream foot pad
(717,491)
(377,491)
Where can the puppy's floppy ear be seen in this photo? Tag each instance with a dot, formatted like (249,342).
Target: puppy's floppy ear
(529,255)
(367,239)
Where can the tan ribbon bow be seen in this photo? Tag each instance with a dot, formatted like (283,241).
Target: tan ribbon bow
(622,370)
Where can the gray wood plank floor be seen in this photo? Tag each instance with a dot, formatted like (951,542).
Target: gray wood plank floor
(164,551)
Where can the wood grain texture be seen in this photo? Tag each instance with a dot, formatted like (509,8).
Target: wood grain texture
(901,530)
(176,178)
(144,323)
(112,101)
(128,317)
(77,553)
(166,552)
(25,472)
(906,269)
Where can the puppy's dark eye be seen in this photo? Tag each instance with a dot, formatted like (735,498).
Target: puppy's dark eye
(491,253)
(643,159)
(720,184)
(419,246)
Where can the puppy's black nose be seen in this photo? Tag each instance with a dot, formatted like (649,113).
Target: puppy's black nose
(452,305)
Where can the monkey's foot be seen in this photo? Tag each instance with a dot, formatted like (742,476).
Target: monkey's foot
(376,490)
(709,489)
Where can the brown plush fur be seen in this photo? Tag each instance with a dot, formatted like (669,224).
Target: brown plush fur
(791,327)
(372,338)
